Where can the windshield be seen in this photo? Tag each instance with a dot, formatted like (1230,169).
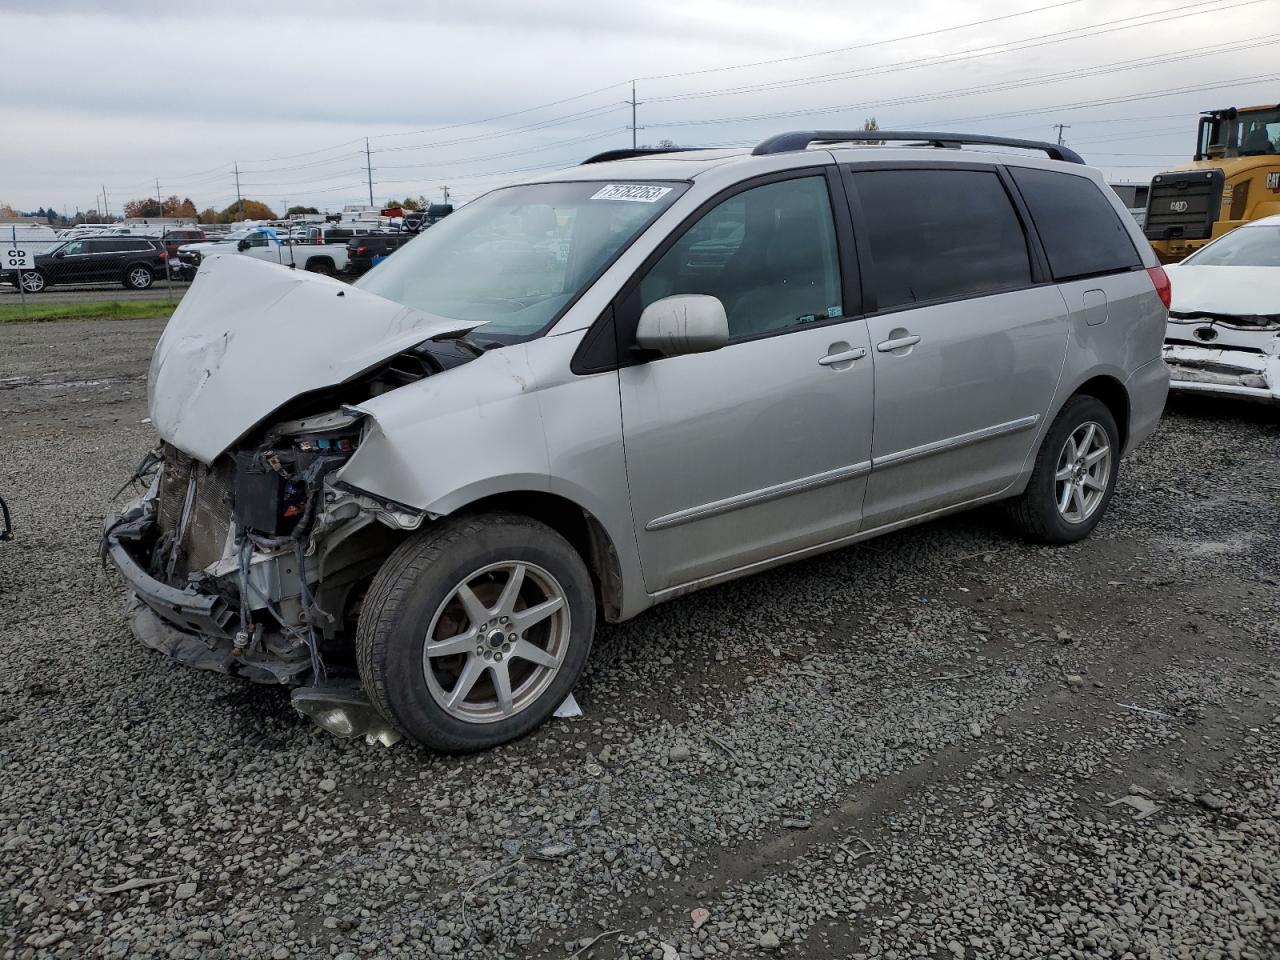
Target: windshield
(1259,132)
(1242,247)
(515,258)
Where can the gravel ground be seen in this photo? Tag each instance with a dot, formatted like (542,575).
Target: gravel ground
(912,748)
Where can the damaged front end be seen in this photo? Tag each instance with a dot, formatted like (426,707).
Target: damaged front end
(247,554)
(1233,355)
(255,565)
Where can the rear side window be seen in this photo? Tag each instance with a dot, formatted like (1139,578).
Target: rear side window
(940,235)
(1080,229)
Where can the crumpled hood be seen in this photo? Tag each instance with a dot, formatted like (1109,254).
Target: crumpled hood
(1239,291)
(249,336)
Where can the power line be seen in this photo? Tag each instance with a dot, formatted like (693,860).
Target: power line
(862,46)
(978,53)
(1000,86)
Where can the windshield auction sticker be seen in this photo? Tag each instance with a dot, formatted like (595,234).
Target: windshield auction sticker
(637,192)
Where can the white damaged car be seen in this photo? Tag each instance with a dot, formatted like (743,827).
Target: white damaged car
(1224,325)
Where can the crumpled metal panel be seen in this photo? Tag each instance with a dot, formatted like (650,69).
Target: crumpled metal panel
(249,336)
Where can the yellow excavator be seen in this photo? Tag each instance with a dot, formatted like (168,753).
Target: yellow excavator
(1233,178)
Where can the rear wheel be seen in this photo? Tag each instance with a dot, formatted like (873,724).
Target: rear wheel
(473,632)
(33,281)
(1074,475)
(138,277)
(320,265)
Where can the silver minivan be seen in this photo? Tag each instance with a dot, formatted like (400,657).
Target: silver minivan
(412,499)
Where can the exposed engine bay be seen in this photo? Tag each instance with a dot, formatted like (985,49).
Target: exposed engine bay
(255,564)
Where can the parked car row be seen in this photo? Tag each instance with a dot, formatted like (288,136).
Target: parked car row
(138,262)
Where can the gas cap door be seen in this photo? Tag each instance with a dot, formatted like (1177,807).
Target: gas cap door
(1095,307)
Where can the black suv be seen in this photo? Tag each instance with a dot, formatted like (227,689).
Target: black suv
(364,252)
(133,261)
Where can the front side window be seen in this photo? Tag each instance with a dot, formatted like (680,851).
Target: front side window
(769,254)
(1258,133)
(1242,247)
(74,247)
(940,234)
(1081,231)
(517,257)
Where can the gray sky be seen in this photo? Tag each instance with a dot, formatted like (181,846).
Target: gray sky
(121,93)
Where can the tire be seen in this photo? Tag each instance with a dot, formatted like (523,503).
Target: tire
(1038,512)
(139,277)
(33,281)
(320,265)
(416,593)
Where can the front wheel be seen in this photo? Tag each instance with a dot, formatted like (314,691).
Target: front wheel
(33,281)
(138,278)
(474,631)
(1074,475)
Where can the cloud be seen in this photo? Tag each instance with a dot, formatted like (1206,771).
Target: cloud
(138,91)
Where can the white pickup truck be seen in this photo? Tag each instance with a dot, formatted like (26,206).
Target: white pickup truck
(313,253)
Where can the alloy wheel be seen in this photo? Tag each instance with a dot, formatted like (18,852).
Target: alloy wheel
(32,282)
(1083,472)
(496,642)
(140,278)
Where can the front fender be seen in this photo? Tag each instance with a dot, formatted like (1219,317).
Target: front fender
(514,420)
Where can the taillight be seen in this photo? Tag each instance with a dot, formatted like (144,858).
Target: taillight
(1164,289)
(164,254)
(361,251)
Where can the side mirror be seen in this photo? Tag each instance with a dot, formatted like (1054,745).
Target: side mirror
(59,255)
(243,245)
(686,323)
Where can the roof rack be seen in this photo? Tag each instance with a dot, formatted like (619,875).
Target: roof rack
(801,139)
(632,152)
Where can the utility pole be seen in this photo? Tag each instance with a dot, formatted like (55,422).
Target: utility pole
(159,202)
(634,103)
(106,204)
(239,200)
(368,168)
(446,193)
(1060,127)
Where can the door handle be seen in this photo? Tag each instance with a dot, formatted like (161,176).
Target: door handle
(844,356)
(897,343)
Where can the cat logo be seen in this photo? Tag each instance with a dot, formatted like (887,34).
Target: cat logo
(1179,206)
(1273,181)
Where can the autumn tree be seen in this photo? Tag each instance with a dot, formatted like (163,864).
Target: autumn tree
(300,211)
(207,215)
(871,126)
(173,207)
(150,207)
(247,210)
